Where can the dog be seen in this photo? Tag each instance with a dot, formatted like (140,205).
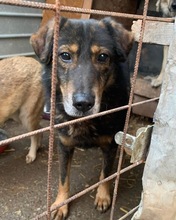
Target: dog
(92,77)
(168,9)
(22,96)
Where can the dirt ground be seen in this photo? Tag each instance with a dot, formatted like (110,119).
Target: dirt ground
(23,186)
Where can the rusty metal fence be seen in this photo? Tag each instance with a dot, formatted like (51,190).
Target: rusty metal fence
(51,128)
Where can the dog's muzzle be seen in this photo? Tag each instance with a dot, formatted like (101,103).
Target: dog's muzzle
(83,102)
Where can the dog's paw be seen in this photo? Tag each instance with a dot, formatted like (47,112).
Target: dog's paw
(60,213)
(156,82)
(102,202)
(30,158)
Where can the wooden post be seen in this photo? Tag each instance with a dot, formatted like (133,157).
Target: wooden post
(48,14)
(159,179)
(86,5)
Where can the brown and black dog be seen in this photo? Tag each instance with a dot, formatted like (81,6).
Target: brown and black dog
(92,77)
(22,96)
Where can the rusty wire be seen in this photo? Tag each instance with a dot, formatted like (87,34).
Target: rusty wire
(129,213)
(42,130)
(57,8)
(29,4)
(136,67)
(45,6)
(53,104)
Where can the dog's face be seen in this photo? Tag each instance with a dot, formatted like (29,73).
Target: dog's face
(167,7)
(89,51)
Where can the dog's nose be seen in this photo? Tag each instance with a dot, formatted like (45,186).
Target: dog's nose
(174,5)
(83,102)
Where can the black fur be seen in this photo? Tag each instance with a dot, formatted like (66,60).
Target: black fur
(110,76)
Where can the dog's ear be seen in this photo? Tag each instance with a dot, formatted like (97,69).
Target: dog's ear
(122,38)
(42,40)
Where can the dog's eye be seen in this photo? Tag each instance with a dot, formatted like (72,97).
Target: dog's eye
(66,57)
(103,58)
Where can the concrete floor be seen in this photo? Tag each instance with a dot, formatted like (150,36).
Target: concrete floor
(23,186)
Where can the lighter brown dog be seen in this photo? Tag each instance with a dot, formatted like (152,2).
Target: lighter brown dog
(21,96)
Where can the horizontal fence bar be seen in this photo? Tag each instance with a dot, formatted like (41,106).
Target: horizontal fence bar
(29,4)
(9,140)
(81,10)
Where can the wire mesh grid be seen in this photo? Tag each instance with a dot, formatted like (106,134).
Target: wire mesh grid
(57,7)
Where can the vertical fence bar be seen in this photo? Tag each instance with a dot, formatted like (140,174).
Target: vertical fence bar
(53,104)
(129,109)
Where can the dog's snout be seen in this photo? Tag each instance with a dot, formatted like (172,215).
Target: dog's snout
(174,5)
(83,102)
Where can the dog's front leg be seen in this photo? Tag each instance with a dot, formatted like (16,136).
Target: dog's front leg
(103,198)
(65,157)
(35,145)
